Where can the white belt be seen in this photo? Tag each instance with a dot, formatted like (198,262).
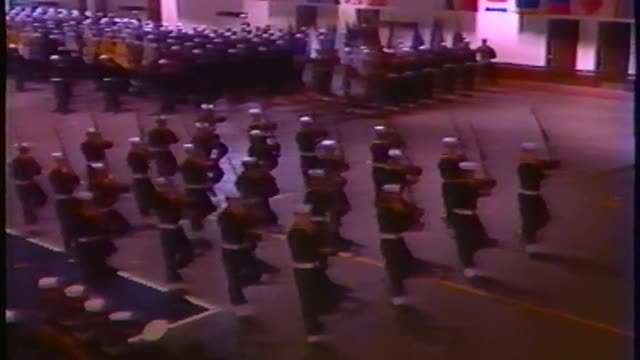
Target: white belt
(235,246)
(313,265)
(168,226)
(89,239)
(61,197)
(95,163)
(23,182)
(199,186)
(140,176)
(529,192)
(390,236)
(464,212)
(308,154)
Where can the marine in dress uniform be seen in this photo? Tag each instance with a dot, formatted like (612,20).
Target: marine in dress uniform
(308,138)
(533,207)
(449,168)
(94,150)
(62,94)
(317,293)
(398,171)
(331,160)
(64,183)
(257,186)
(395,217)
(144,192)
(160,140)
(208,142)
(260,123)
(263,147)
(239,240)
(176,247)
(195,174)
(106,192)
(469,232)
(24,169)
(208,115)
(20,69)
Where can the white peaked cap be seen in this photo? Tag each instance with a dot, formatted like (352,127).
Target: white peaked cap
(316,172)
(206,106)
(469,166)
(249,160)
(54,57)
(394,153)
(256,133)
(135,140)
(188,147)
(74,291)
(392,188)
(10,316)
(23,145)
(302,210)
(255,111)
(48,283)
(161,182)
(121,316)
(84,195)
(155,330)
(529,146)
(97,165)
(94,305)
(380,129)
(58,156)
(328,143)
(305,119)
(91,131)
(450,141)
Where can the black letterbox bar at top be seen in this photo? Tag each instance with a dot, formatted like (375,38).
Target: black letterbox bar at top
(235,14)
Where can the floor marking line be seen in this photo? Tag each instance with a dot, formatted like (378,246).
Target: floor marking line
(44,245)
(192,318)
(204,304)
(139,280)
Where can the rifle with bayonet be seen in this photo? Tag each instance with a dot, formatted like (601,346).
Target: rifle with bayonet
(551,157)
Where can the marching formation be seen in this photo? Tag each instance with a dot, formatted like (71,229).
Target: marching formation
(90,224)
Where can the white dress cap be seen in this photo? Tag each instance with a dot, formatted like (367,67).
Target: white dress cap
(154,330)
(328,143)
(392,188)
(121,316)
(255,111)
(469,166)
(249,160)
(48,283)
(134,140)
(379,129)
(97,166)
(316,172)
(188,147)
(58,156)
(529,146)
(256,133)
(91,131)
(305,119)
(395,153)
(450,141)
(94,305)
(74,291)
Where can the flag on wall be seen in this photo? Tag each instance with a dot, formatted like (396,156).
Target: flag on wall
(602,8)
(558,7)
(528,6)
(496,5)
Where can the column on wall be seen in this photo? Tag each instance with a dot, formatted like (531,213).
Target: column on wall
(586,55)
(169,12)
(632,52)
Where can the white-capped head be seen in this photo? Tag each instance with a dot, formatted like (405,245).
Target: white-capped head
(450,142)
(380,129)
(255,111)
(188,147)
(316,172)
(392,188)
(94,305)
(305,119)
(49,283)
(256,133)
(249,161)
(121,316)
(469,166)
(58,156)
(529,146)
(135,141)
(206,107)
(328,144)
(91,131)
(74,291)
(395,153)
(98,166)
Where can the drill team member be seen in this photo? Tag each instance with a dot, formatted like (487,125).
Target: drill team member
(239,241)
(259,122)
(317,293)
(160,140)
(195,173)
(106,192)
(144,192)
(264,148)
(469,232)
(533,207)
(308,138)
(206,141)
(94,151)
(397,171)
(176,247)
(332,161)
(208,115)
(257,186)
(64,183)
(448,165)
(396,216)
(24,169)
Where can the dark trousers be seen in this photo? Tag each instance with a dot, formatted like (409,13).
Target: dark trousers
(145,194)
(177,252)
(235,265)
(112,90)
(31,197)
(306,281)
(470,236)
(62,93)
(166,163)
(64,213)
(398,261)
(92,258)
(535,216)
(200,206)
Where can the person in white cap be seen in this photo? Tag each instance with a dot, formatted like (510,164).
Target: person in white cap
(469,232)
(331,158)
(308,138)
(195,174)
(317,293)
(263,148)
(452,156)
(160,140)
(533,207)
(94,148)
(24,168)
(395,217)
(397,171)
(238,228)
(208,115)
(257,185)
(64,183)
(144,192)
(206,141)
(177,250)
(259,122)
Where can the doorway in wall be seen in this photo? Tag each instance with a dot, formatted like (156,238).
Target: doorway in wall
(306,16)
(562,47)
(614,47)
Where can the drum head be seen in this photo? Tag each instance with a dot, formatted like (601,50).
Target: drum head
(155,330)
